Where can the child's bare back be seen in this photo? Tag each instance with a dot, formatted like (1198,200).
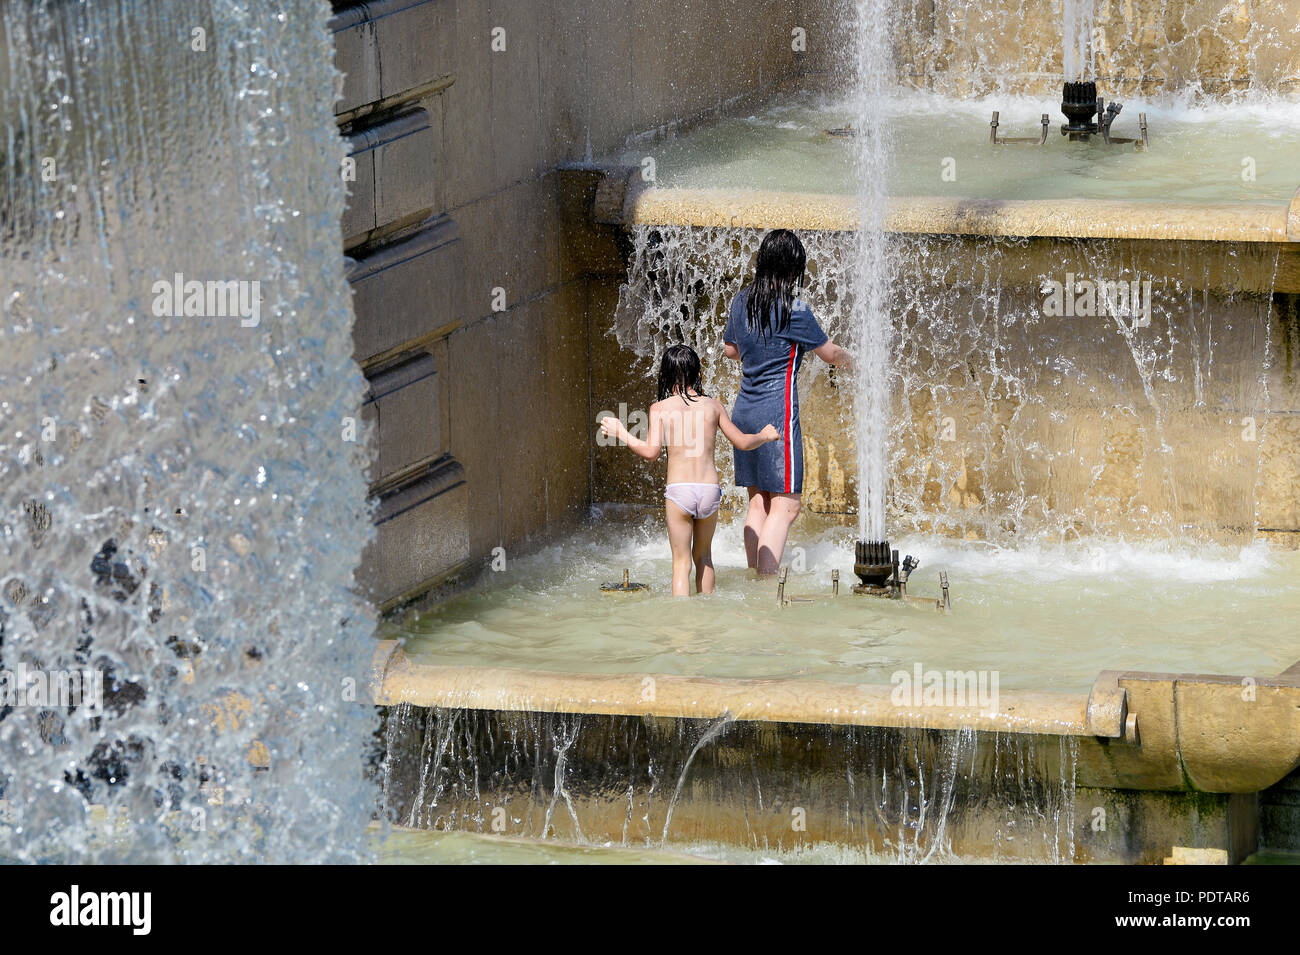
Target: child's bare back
(690,432)
(686,422)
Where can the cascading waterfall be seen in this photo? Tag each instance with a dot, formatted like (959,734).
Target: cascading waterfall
(1006,423)
(1023,425)
(958,48)
(882,794)
(872,327)
(182,512)
(680,280)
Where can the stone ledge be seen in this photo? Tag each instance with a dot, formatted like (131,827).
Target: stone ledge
(421,532)
(786,701)
(1172,732)
(924,215)
(397,289)
(403,410)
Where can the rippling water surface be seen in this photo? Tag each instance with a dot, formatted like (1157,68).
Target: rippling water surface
(1044,618)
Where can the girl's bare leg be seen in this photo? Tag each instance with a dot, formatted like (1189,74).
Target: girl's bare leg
(755,518)
(681,527)
(782,511)
(702,553)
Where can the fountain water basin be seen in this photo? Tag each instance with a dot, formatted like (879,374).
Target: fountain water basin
(1156,741)
(1208,153)
(544,687)
(737,718)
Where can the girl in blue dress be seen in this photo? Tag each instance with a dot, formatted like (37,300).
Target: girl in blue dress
(768,331)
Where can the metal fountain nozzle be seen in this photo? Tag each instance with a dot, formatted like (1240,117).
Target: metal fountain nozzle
(876,564)
(873,563)
(1079,104)
(1086,114)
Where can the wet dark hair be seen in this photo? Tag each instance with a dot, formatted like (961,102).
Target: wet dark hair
(679,372)
(778,272)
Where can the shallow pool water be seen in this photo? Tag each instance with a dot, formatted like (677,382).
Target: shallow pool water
(427,847)
(1196,154)
(1042,618)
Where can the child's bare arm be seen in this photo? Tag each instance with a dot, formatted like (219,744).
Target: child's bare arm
(649,449)
(833,354)
(745,442)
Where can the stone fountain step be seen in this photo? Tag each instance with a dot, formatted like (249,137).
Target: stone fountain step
(598,760)
(624,198)
(620,198)
(397,679)
(1135,730)
(929,215)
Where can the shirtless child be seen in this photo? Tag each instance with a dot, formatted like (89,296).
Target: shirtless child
(687,421)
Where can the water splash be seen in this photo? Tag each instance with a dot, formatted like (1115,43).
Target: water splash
(680,281)
(711,732)
(1006,423)
(181,513)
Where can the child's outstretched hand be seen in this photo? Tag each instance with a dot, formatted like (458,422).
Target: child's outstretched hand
(769,433)
(609,426)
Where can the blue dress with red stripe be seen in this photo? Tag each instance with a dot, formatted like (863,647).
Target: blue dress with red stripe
(769,394)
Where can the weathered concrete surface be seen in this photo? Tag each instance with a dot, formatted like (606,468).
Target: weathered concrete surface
(1279,814)
(1154,828)
(1225,734)
(421,519)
